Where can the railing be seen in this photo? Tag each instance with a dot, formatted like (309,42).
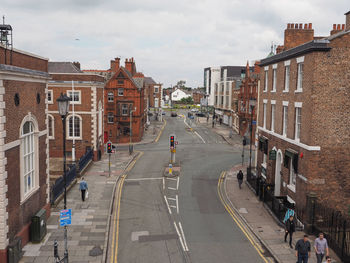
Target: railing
(85,159)
(58,187)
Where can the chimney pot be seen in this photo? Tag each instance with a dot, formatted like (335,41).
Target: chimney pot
(310,25)
(300,26)
(338,27)
(292,26)
(305,26)
(296,26)
(334,27)
(342,26)
(288,26)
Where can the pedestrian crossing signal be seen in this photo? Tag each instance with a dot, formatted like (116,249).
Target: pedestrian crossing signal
(109,147)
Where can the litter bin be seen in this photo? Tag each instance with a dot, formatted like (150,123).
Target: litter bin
(38,226)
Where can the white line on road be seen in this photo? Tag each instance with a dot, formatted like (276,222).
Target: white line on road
(177,183)
(178,233)
(171,179)
(163,184)
(183,236)
(177,204)
(144,179)
(172,188)
(173,206)
(199,136)
(167,204)
(170,198)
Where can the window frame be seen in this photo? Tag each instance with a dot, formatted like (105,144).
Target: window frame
(73,101)
(266,80)
(110,96)
(50,91)
(286,78)
(126,107)
(285,120)
(68,137)
(264,114)
(156,89)
(110,115)
(273,115)
(51,137)
(120,94)
(297,123)
(274,79)
(300,77)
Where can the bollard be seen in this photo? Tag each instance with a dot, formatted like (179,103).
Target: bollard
(170,169)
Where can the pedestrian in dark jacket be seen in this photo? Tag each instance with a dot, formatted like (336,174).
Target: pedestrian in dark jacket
(83,187)
(302,250)
(240,178)
(290,229)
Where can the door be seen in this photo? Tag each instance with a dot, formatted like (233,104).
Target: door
(278,174)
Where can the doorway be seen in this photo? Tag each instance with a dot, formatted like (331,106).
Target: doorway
(278,174)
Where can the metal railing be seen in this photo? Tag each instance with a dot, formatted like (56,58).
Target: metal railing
(85,159)
(58,187)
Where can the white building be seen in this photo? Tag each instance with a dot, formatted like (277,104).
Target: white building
(211,76)
(179,94)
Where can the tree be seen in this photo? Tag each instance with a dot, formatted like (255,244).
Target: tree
(188,100)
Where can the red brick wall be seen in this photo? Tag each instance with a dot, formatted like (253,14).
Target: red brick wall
(297,34)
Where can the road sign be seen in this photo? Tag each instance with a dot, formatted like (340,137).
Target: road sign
(65,217)
(254,122)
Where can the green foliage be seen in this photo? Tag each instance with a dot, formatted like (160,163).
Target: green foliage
(188,100)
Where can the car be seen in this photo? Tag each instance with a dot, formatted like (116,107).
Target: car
(194,110)
(200,114)
(173,114)
(163,113)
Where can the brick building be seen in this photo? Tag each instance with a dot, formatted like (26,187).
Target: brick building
(124,94)
(85,128)
(197,95)
(304,116)
(23,144)
(248,93)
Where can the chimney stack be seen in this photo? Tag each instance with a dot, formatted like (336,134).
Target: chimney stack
(115,64)
(76,64)
(337,28)
(130,66)
(297,34)
(347,23)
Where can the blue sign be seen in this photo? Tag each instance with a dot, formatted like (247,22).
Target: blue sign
(254,122)
(65,217)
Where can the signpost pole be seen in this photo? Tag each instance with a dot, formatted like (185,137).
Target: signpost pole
(109,165)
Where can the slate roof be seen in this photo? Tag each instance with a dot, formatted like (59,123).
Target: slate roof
(30,72)
(149,81)
(63,67)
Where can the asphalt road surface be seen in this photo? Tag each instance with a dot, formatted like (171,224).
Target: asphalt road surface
(180,219)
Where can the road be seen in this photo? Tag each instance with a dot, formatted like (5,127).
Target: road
(180,219)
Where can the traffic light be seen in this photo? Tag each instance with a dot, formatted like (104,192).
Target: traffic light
(172,141)
(109,147)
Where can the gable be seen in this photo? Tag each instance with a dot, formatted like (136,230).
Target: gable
(121,75)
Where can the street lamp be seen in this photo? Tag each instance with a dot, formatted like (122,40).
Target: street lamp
(252,103)
(131,148)
(63,106)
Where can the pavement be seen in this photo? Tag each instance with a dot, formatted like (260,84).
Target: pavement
(87,233)
(253,212)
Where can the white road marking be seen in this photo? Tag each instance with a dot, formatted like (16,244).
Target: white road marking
(163,183)
(177,183)
(169,198)
(144,179)
(172,179)
(167,204)
(199,136)
(173,206)
(177,204)
(170,188)
(183,236)
(178,233)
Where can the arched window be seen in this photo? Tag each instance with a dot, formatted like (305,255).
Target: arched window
(51,127)
(74,127)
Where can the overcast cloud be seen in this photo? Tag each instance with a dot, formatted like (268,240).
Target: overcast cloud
(170,40)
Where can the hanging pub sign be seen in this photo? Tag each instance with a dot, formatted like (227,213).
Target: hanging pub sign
(272,155)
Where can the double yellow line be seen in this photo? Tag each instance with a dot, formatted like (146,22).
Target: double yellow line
(237,220)
(115,232)
(161,131)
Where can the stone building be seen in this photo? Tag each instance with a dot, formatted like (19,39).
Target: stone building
(24,148)
(124,103)
(304,116)
(84,123)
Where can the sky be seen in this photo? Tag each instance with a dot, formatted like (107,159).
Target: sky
(169,40)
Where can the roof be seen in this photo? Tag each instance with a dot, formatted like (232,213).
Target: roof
(63,67)
(30,72)
(149,81)
(315,45)
(5,27)
(232,71)
(347,13)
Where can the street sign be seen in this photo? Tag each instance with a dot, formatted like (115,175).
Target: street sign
(65,217)
(272,155)
(254,122)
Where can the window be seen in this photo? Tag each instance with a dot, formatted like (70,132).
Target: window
(264,116)
(75,96)
(100,118)
(120,92)
(51,126)
(110,117)
(300,77)
(285,120)
(28,157)
(292,173)
(74,127)
(273,107)
(120,81)
(156,103)
(156,89)
(50,96)
(274,80)
(110,97)
(297,123)
(125,109)
(266,80)
(263,146)
(216,100)
(286,78)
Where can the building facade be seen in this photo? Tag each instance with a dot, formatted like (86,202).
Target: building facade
(125,106)
(211,76)
(84,122)
(304,117)
(24,148)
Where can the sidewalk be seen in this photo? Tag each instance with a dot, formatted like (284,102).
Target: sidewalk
(260,221)
(87,233)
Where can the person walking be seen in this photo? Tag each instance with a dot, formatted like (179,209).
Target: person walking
(321,246)
(302,249)
(289,212)
(83,187)
(240,178)
(290,229)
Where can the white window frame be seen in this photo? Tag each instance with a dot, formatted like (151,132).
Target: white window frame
(30,139)
(100,119)
(274,77)
(49,116)
(156,102)
(273,113)
(109,115)
(292,176)
(120,94)
(300,77)
(266,79)
(110,96)
(285,120)
(297,123)
(123,108)
(264,115)
(69,94)
(50,91)
(156,89)
(286,78)
(80,127)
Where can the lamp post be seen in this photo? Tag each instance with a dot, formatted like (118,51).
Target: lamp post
(131,148)
(252,103)
(63,106)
